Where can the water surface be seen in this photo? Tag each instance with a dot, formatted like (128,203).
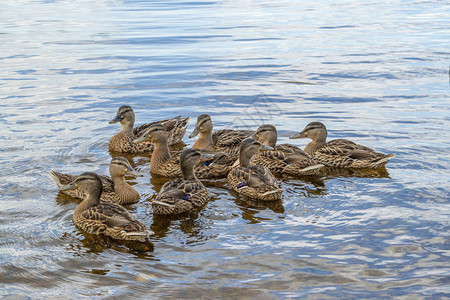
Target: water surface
(374,72)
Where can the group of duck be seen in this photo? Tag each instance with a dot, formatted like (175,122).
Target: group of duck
(247,158)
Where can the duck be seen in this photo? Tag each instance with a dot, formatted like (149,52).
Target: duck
(340,153)
(115,188)
(103,218)
(163,163)
(250,180)
(224,140)
(284,158)
(186,193)
(123,140)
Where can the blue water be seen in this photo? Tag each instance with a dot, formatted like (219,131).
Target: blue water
(374,72)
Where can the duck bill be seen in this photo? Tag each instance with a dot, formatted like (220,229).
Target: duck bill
(194,133)
(116,119)
(298,135)
(140,140)
(134,173)
(70,186)
(265,147)
(206,157)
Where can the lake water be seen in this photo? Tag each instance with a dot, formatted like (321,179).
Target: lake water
(375,72)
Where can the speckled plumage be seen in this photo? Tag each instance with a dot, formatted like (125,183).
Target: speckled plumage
(106,218)
(340,153)
(112,220)
(115,190)
(183,194)
(123,140)
(167,164)
(253,181)
(259,183)
(171,166)
(285,158)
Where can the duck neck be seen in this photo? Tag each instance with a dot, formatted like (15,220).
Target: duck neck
(126,128)
(121,187)
(188,172)
(204,141)
(245,159)
(271,140)
(160,154)
(317,142)
(311,147)
(91,200)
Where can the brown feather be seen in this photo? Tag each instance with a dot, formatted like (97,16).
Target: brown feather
(123,142)
(259,183)
(287,159)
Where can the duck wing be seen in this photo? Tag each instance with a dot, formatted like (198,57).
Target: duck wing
(176,128)
(228,140)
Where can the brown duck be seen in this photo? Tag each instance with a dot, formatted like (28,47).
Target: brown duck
(284,158)
(253,181)
(225,140)
(103,218)
(123,140)
(115,188)
(339,153)
(164,163)
(183,194)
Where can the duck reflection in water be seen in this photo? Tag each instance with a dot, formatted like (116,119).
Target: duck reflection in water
(94,244)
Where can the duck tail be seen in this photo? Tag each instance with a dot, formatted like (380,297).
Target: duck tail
(273,192)
(56,177)
(383,161)
(312,168)
(162,203)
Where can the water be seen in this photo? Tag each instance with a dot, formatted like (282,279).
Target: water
(373,72)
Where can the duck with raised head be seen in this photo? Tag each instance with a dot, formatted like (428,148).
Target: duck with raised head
(284,158)
(103,218)
(339,153)
(123,140)
(250,180)
(183,194)
(115,188)
(224,140)
(164,163)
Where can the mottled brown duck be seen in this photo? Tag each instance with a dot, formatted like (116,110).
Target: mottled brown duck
(339,153)
(253,181)
(115,188)
(284,158)
(103,218)
(164,163)
(183,194)
(224,140)
(123,140)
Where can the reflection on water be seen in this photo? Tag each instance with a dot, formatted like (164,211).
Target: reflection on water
(379,80)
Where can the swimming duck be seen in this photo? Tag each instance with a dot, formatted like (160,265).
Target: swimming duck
(224,140)
(123,140)
(339,153)
(115,188)
(250,180)
(164,164)
(285,158)
(183,194)
(103,218)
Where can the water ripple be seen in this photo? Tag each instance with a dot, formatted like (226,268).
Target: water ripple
(380,81)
